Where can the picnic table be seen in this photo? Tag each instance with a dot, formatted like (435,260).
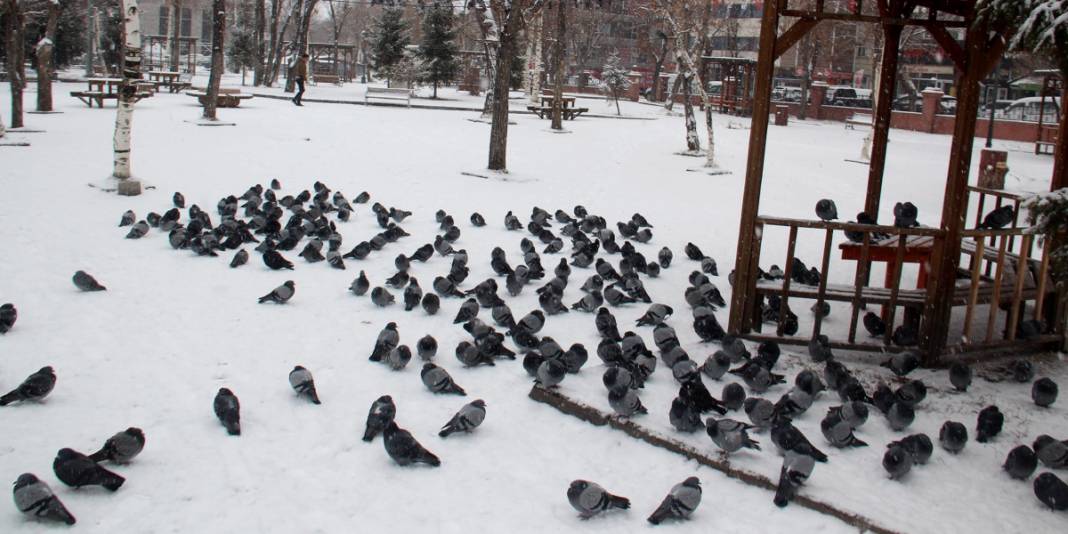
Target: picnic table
(101,89)
(567,107)
(169,79)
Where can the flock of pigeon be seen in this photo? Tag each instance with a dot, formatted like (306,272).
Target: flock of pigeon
(259,217)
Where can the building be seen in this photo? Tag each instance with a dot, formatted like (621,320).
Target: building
(157,27)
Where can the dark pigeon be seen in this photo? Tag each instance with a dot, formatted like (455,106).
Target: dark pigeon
(228,410)
(36,387)
(404,449)
(77,470)
(379,417)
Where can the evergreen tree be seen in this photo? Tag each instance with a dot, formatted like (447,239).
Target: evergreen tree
(389,40)
(614,79)
(438,50)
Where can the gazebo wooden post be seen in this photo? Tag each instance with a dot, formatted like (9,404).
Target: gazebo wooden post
(946,257)
(883,115)
(754,172)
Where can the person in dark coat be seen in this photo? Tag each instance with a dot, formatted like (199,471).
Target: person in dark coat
(300,74)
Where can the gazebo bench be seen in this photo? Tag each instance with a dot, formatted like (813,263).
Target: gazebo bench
(326,78)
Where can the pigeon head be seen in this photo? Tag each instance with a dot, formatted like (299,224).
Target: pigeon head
(225,391)
(578,486)
(25,479)
(66,454)
(298,368)
(136,432)
(289,284)
(479,402)
(47,370)
(391,326)
(692,482)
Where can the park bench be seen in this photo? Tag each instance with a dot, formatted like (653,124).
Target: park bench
(88,97)
(544,112)
(858,119)
(386,93)
(326,78)
(227,98)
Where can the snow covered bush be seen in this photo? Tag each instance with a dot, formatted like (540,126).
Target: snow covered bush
(614,79)
(408,71)
(1047,213)
(1041,26)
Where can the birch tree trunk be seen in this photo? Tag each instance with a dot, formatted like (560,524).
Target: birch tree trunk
(16,70)
(44,58)
(300,42)
(559,64)
(260,30)
(534,69)
(176,33)
(686,73)
(487,25)
(131,71)
(218,33)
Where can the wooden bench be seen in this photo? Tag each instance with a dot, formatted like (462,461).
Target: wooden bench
(227,98)
(544,112)
(858,119)
(147,86)
(326,78)
(100,96)
(388,93)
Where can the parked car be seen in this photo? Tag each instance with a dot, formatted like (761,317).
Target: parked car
(786,94)
(1028,109)
(947,106)
(840,95)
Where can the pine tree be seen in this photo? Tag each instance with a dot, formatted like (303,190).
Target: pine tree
(438,50)
(614,79)
(390,39)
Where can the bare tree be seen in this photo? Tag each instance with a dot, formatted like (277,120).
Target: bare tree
(131,71)
(16,70)
(586,37)
(511,16)
(218,33)
(44,57)
(559,64)
(338,16)
(304,9)
(259,44)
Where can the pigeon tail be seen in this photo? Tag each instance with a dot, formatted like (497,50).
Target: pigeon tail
(232,427)
(111,481)
(662,512)
(615,501)
(99,456)
(786,490)
(54,509)
(9,398)
(428,458)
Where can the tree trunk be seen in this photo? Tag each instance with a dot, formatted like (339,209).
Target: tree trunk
(16,70)
(1060,152)
(261,26)
(89,38)
(131,71)
(658,67)
(533,78)
(3,129)
(300,42)
(44,59)
(498,149)
(487,25)
(676,85)
(218,33)
(559,65)
(176,34)
(686,74)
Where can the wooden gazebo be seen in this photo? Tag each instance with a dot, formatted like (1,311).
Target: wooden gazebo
(1052,88)
(979,290)
(158,57)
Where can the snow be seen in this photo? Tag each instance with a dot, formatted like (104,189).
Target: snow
(173,328)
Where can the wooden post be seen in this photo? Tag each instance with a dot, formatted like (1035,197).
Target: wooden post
(754,172)
(44,59)
(883,115)
(218,33)
(946,258)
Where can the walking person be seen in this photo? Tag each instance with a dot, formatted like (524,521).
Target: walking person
(300,73)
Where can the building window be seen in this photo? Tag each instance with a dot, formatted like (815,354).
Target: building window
(205,25)
(164,20)
(187,22)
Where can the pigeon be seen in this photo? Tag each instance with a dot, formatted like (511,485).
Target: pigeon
(761,412)
(590,499)
(381,297)
(796,468)
(575,357)
(1051,452)
(280,294)
(37,386)
(590,302)
(680,503)
(911,393)
(787,437)
(379,416)
(902,363)
(1044,392)
(730,435)
(34,497)
(733,396)
(76,470)
(531,322)
(953,436)
(468,310)
(606,325)
(874,325)
(399,357)
(360,285)
(919,447)
(431,303)
(624,401)
(300,379)
(446,288)
(826,210)
(854,412)
(228,410)
(469,355)
(839,432)
(693,252)
(426,347)
(897,462)
(683,415)
(998,218)
(437,380)
(398,280)
(1052,491)
(716,365)
(900,416)
(466,420)
(905,215)
(311,252)
(138,230)
(760,379)
(708,265)
(550,373)
(333,257)
(85,282)
(240,258)
(477,220)
(819,349)
(388,339)
(960,376)
(1022,371)
(404,449)
(8,316)
(127,219)
(121,448)
(413,295)
(274,260)
(178,199)
(706,326)
(1021,462)
(615,297)
(989,424)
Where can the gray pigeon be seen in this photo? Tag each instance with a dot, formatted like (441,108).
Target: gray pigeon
(761,412)
(466,420)
(36,387)
(839,432)
(550,373)
(1052,491)
(34,497)
(680,502)
(900,416)
(1051,452)
(733,396)
(127,219)
(590,499)
(382,297)
(121,448)
(960,375)
(360,285)
(468,310)
(625,402)
(8,315)
(716,365)
(1044,392)
(1021,462)
(919,446)
(427,347)
(953,436)
(228,410)
(138,230)
(404,449)
(86,282)
(300,379)
(388,339)
(684,416)
(77,470)
(438,380)
(240,258)
(897,462)
(399,357)
(379,416)
(853,412)
(819,349)
(902,363)
(280,294)
(730,435)
(826,210)
(796,468)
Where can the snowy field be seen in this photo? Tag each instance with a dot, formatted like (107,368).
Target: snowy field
(173,328)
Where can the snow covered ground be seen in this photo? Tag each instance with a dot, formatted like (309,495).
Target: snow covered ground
(173,328)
